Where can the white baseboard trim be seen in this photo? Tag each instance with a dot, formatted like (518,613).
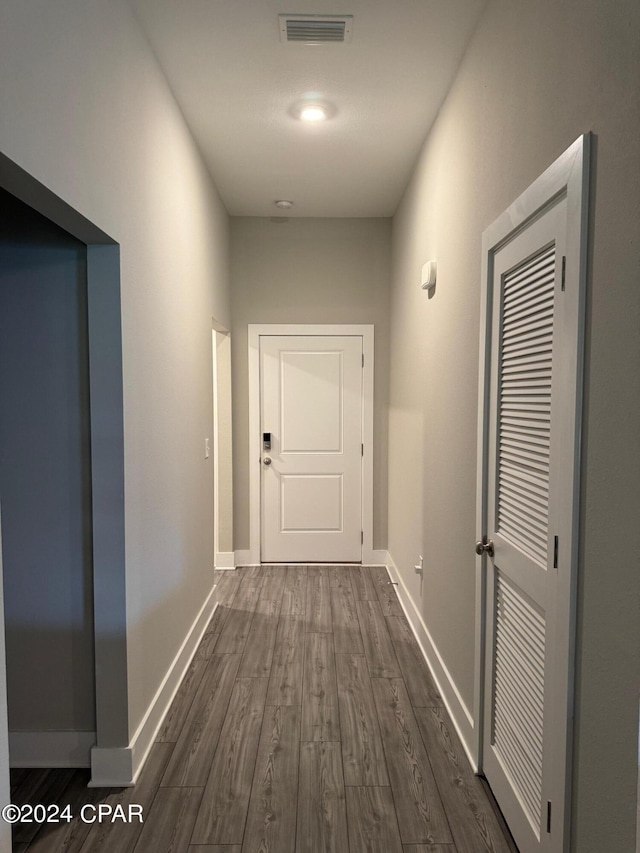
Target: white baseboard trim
(225,560)
(120,766)
(111,767)
(51,749)
(247,558)
(375,558)
(460,716)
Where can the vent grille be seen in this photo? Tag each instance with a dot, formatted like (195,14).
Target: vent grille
(518,695)
(525,404)
(313,29)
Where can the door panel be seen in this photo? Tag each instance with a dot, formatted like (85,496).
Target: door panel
(311,404)
(524,462)
(534,285)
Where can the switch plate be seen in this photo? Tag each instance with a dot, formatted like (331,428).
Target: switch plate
(207,448)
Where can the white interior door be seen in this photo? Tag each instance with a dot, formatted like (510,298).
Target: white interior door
(529,437)
(311,419)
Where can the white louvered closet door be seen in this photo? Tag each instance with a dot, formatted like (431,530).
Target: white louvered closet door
(524,467)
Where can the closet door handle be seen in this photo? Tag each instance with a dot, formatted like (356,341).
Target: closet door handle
(485,547)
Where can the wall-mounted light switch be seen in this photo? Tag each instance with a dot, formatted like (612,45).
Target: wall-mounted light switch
(207,448)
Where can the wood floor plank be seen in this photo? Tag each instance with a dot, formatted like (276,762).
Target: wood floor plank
(177,713)
(258,651)
(285,683)
(271,822)
(46,788)
(386,591)
(233,636)
(420,684)
(38,784)
(227,586)
(363,586)
(107,837)
(223,811)
(378,648)
(273,582)
(250,573)
(421,816)
(320,715)
(373,826)
(69,837)
(170,822)
(17,776)
(473,823)
(346,627)
(322,821)
(214,848)
(219,617)
(341,576)
(362,753)
(391,741)
(296,577)
(318,602)
(207,645)
(196,745)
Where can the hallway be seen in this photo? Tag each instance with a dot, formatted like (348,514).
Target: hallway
(307,721)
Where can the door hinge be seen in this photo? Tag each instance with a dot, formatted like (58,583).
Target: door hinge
(548,816)
(363,359)
(555,552)
(362,448)
(564,272)
(362,537)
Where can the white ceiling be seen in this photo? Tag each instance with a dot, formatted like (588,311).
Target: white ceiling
(236,83)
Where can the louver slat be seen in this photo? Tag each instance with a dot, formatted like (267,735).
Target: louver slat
(524,404)
(518,695)
(315,31)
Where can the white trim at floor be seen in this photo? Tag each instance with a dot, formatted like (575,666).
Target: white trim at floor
(119,767)
(460,715)
(225,560)
(51,749)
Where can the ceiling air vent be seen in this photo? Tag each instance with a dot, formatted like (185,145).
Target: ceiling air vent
(316,29)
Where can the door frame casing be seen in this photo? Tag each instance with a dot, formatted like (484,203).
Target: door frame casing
(255,332)
(567,176)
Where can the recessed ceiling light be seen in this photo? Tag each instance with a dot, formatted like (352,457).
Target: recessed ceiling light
(283,204)
(312,108)
(313,112)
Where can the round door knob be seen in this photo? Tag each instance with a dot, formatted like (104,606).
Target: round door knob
(267,460)
(484,547)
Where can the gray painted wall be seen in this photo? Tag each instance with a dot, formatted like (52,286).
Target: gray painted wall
(535,76)
(45,475)
(87,111)
(309,271)
(5,784)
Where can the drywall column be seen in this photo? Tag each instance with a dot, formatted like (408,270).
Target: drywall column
(107,429)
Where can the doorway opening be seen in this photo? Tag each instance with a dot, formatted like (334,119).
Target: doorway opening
(94,461)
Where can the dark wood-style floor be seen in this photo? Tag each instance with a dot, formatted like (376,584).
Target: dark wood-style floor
(308,722)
